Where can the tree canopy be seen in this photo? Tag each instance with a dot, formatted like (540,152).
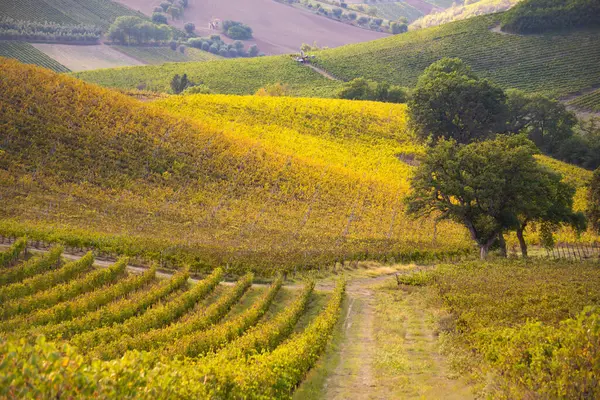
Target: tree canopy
(450,101)
(593,211)
(489,187)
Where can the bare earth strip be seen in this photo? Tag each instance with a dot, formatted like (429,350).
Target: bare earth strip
(84,58)
(278,28)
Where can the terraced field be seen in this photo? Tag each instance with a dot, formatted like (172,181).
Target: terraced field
(27,54)
(557,63)
(90,12)
(242,341)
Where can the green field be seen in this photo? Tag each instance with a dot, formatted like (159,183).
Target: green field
(558,63)
(89,12)
(240,76)
(28,54)
(161,55)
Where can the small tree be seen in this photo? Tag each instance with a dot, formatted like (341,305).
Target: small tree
(337,12)
(179,84)
(451,101)
(182,49)
(159,18)
(173,45)
(593,209)
(482,185)
(189,28)
(165,5)
(399,27)
(253,51)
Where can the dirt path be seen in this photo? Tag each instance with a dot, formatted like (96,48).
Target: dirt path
(322,72)
(389,348)
(353,377)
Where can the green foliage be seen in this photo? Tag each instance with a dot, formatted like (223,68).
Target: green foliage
(11,29)
(399,28)
(488,186)
(199,321)
(189,28)
(196,344)
(119,311)
(82,304)
(530,320)
(451,102)
(180,83)
(236,30)
(129,30)
(417,278)
(64,291)
(362,89)
(538,16)
(10,256)
(45,281)
(159,18)
(31,267)
(157,317)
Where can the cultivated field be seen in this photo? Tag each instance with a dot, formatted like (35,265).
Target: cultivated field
(28,54)
(161,55)
(232,333)
(89,12)
(84,58)
(278,28)
(558,63)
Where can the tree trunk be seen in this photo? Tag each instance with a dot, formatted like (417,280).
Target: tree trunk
(522,242)
(502,242)
(484,249)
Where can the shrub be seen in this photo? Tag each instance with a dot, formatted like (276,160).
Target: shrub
(189,28)
(159,18)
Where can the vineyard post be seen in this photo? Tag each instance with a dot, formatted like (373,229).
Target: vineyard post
(578,251)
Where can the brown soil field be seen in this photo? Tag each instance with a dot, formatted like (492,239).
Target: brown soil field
(83,58)
(278,29)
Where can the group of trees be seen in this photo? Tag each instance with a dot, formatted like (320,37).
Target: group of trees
(538,16)
(362,89)
(480,170)
(237,30)
(11,29)
(135,30)
(453,102)
(174,8)
(216,45)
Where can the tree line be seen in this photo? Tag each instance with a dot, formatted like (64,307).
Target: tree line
(480,169)
(11,29)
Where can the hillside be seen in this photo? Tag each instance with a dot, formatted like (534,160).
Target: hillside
(462,11)
(90,12)
(558,63)
(125,176)
(240,76)
(555,63)
(277,28)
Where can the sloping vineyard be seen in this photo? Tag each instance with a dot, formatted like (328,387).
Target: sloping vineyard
(116,315)
(27,54)
(559,63)
(90,12)
(587,102)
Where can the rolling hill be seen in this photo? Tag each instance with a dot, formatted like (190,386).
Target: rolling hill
(558,63)
(267,183)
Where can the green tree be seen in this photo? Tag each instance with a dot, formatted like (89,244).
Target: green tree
(450,101)
(593,209)
(180,83)
(546,121)
(159,18)
(399,27)
(482,185)
(189,28)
